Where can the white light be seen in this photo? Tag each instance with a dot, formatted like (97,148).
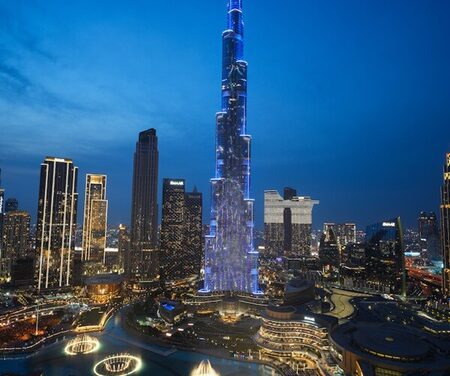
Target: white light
(388,224)
(175,182)
(309,318)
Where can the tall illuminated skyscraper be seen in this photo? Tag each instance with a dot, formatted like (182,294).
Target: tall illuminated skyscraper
(95,218)
(231,262)
(445,226)
(144,207)
(56,222)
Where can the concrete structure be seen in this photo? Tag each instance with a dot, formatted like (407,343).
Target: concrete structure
(287,224)
(384,349)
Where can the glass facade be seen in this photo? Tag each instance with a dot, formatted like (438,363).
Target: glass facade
(445,226)
(56,222)
(231,262)
(95,218)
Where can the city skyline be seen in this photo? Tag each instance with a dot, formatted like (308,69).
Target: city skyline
(403,122)
(324,108)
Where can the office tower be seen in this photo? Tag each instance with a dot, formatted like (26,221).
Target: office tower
(16,235)
(56,222)
(287,224)
(385,259)
(16,243)
(124,250)
(193,232)
(329,251)
(11,205)
(172,254)
(144,209)
(95,219)
(345,233)
(429,235)
(231,261)
(445,226)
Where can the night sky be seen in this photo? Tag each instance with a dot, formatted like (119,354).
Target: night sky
(349,101)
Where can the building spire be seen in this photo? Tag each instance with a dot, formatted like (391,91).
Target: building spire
(235,21)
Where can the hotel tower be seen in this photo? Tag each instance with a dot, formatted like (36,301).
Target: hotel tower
(56,222)
(231,262)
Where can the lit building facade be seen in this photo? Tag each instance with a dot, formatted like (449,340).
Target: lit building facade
(56,222)
(172,253)
(144,207)
(231,261)
(16,235)
(385,258)
(193,231)
(284,334)
(345,233)
(124,250)
(287,224)
(429,235)
(95,218)
(445,226)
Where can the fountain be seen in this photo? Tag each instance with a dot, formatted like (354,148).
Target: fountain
(204,369)
(118,365)
(83,344)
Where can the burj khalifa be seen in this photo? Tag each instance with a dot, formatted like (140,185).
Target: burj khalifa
(231,262)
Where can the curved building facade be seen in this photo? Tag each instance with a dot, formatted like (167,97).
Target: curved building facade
(285,334)
(380,349)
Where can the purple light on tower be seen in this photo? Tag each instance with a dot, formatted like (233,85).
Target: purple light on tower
(231,262)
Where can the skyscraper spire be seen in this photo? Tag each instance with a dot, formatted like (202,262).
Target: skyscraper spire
(230,258)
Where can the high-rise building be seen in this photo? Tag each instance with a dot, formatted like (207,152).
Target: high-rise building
(2,212)
(56,222)
(124,250)
(95,219)
(329,251)
(231,261)
(287,224)
(445,226)
(345,233)
(16,242)
(385,258)
(193,231)
(144,208)
(16,235)
(429,235)
(11,205)
(172,253)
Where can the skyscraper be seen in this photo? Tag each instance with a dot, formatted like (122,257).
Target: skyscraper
(56,222)
(144,212)
(144,208)
(193,231)
(16,235)
(445,226)
(172,253)
(345,233)
(231,261)
(385,258)
(124,248)
(429,235)
(287,224)
(95,218)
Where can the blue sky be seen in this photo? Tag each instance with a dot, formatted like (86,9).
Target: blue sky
(349,102)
